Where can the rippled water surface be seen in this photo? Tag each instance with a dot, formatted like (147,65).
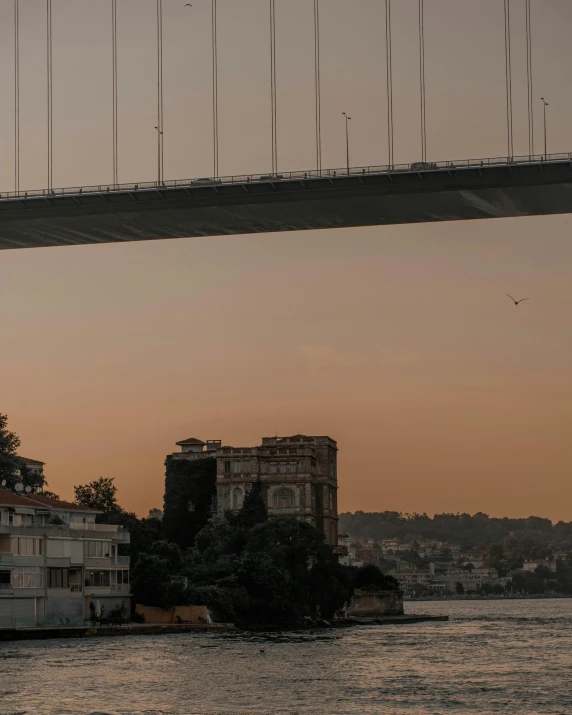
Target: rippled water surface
(492,657)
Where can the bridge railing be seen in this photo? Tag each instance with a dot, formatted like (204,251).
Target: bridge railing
(308,175)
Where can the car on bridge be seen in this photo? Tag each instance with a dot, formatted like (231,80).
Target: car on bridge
(423,165)
(205,182)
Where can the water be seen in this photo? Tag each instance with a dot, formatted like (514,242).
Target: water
(493,657)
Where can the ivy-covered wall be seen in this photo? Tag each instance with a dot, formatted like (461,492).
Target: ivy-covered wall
(188,483)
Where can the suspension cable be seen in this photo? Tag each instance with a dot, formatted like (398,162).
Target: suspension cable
(17,95)
(160,147)
(317,84)
(529,80)
(508,70)
(49,63)
(389,78)
(422,80)
(115,90)
(273,86)
(215,89)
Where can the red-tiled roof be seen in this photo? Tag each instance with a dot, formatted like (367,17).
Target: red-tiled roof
(9,498)
(30,461)
(191,440)
(58,503)
(12,499)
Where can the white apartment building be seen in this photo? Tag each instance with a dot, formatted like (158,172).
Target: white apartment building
(56,564)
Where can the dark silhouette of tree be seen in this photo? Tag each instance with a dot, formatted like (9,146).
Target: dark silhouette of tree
(9,462)
(99,495)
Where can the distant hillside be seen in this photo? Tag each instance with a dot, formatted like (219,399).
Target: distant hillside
(476,530)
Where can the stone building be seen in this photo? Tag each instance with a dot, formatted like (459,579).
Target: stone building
(298,475)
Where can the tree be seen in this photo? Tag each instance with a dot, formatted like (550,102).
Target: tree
(150,579)
(370,578)
(459,588)
(99,495)
(253,510)
(9,462)
(32,478)
(155,514)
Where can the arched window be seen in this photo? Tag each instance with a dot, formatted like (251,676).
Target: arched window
(237,498)
(284,499)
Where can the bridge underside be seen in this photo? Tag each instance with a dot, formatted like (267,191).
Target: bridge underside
(290,205)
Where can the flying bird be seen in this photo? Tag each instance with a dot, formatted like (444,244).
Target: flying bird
(516,302)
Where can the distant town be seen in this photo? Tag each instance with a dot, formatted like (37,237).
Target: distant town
(482,556)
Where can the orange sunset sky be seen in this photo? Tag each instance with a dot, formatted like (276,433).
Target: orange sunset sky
(396,341)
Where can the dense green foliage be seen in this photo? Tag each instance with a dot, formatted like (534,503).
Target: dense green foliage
(464,529)
(100,495)
(189,492)
(9,443)
(246,568)
(251,571)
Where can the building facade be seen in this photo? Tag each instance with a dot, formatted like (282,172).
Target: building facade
(57,566)
(298,475)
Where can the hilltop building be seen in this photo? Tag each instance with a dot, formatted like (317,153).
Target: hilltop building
(56,563)
(298,475)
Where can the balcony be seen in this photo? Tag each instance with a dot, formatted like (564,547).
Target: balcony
(79,526)
(6,558)
(124,588)
(123,560)
(112,532)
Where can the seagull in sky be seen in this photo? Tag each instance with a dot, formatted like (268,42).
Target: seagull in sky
(516,302)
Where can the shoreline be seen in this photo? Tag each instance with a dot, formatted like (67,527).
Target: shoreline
(446,599)
(139,629)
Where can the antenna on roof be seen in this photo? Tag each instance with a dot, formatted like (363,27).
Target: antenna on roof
(19,487)
(3,482)
(28,490)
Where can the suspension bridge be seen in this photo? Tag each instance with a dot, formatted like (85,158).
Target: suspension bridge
(315,198)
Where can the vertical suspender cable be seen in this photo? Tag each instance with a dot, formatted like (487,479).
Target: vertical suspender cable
(16,95)
(215,87)
(161,153)
(422,80)
(529,80)
(317,83)
(273,85)
(508,69)
(389,77)
(50,92)
(115,92)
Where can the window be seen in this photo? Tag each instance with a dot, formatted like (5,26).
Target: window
(227,467)
(58,578)
(28,547)
(237,498)
(27,577)
(122,577)
(273,468)
(4,580)
(97,579)
(284,499)
(96,549)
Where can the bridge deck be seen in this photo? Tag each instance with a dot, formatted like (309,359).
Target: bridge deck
(291,204)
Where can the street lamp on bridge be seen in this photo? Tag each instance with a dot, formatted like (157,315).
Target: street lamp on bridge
(545,104)
(348,119)
(159,137)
